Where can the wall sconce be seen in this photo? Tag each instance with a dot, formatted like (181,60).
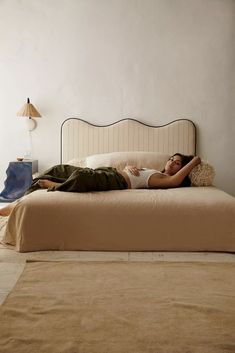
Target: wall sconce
(29,111)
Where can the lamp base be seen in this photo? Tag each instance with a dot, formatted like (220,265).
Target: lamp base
(31,124)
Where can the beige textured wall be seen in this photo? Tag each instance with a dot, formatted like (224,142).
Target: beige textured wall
(103,60)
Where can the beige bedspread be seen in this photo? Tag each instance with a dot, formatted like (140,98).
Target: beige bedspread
(181,219)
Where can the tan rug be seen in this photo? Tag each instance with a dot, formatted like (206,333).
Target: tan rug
(120,307)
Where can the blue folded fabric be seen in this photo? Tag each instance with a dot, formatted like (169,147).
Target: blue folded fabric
(19,179)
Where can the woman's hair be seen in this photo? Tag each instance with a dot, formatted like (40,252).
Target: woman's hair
(184,160)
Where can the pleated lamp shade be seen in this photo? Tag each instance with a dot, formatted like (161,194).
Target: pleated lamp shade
(29,111)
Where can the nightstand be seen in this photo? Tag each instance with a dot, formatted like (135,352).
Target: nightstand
(19,179)
(33,163)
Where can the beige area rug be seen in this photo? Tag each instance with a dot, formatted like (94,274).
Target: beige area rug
(120,307)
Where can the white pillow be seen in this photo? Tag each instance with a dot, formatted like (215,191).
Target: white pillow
(119,160)
(77,162)
(202,175)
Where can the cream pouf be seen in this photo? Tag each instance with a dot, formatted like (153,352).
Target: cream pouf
(202,175)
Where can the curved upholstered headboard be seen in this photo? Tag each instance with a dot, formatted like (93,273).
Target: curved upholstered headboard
(80,139)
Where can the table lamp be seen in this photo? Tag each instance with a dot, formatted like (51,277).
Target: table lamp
(29,111)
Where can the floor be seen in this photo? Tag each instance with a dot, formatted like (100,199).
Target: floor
(12,263)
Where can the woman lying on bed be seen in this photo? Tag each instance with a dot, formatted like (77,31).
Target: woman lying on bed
(75,179)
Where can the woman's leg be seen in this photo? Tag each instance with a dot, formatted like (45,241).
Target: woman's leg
(87,179)
(45,183)
(57,174)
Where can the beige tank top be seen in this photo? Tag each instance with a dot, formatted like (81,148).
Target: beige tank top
(141,181)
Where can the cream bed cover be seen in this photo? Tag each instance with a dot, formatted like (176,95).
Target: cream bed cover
(181,219)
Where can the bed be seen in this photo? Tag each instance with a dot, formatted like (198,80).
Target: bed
(199,218)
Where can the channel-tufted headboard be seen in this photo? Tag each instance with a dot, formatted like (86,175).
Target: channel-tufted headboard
(80,138)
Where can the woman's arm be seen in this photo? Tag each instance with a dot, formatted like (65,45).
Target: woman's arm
(172,181)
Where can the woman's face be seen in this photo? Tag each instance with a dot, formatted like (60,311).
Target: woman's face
(173,165)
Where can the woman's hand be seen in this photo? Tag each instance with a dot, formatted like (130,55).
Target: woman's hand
(196,160)
(133,170)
